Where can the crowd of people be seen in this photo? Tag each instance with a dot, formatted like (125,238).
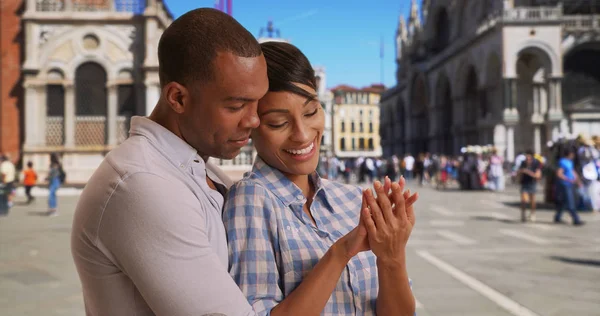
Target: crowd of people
(568,173)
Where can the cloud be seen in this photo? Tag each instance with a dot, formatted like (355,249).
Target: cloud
(300,16)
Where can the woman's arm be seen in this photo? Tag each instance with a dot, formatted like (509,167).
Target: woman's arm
(310,297)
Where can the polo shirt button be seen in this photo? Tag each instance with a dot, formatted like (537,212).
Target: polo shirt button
(181,166)
(299,197)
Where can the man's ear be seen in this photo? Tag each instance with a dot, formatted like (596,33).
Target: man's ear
(177,96)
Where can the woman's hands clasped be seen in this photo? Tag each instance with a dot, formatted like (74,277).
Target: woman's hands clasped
(389,219)
(386,221)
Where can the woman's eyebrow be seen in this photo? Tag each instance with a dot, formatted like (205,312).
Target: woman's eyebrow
(284,111)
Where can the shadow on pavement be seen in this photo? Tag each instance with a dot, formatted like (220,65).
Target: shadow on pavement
(42,213)
(586,262)
(492,218)
(538,206)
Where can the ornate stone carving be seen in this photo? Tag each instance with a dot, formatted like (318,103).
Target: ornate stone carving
(48,31)
(128,31)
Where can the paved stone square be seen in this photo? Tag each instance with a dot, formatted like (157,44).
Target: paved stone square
(468,255)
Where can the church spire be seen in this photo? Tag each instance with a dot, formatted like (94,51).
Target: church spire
(414,20)
(402,30)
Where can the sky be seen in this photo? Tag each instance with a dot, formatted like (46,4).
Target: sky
(344,36)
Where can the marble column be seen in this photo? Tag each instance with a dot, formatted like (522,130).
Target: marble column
(536,99)
(555,100)
(33,116)
(537,141)
(510,143)
(510,96)
(112,115)
(69,118)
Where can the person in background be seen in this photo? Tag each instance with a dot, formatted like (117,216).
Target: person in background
(496,171)
(419,169)
(567,180)
(409,164)
(54,183)
(29,181)
(529,173)
(7,168)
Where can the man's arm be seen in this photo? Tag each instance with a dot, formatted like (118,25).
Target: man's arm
(157,235)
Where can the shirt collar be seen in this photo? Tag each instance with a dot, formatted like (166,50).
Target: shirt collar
(173,147)
(275,181)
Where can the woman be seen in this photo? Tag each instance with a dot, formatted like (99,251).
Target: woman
(496,171)
(54,181)
(296,244)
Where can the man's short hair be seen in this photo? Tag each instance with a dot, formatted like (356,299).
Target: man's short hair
(188,47)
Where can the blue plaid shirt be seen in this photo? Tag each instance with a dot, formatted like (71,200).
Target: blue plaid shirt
(273,243)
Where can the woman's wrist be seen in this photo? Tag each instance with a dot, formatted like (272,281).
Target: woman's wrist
(392,263)
(338,253)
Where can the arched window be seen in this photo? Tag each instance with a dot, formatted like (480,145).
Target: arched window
(442,31)
(90,105)
(55,114)
(343,144)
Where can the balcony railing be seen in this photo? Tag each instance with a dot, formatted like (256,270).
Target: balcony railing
(576,23)
(131,6)
(532,14)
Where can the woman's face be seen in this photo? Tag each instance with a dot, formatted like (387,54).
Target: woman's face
(289,135)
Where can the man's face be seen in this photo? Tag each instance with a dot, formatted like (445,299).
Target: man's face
(221,113)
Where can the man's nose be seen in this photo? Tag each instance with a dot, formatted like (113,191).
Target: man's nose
(251,119)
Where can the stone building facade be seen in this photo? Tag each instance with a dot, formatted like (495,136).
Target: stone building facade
(89,65)
(512,73)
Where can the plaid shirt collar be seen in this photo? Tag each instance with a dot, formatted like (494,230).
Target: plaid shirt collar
(287,191)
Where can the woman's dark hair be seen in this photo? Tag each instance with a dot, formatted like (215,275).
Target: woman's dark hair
(287,66)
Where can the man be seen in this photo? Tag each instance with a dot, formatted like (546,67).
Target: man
(147,233)
(409,162)
(529,172)
(567,180)
(9,172)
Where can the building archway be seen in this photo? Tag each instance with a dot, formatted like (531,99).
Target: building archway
(533,68)
(90,105)
(442,31)
(472,102)
(492,105)
(581,86)
(400,127)
(420,114)
(445,120)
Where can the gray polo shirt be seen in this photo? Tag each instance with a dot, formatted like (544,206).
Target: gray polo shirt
(147,236)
